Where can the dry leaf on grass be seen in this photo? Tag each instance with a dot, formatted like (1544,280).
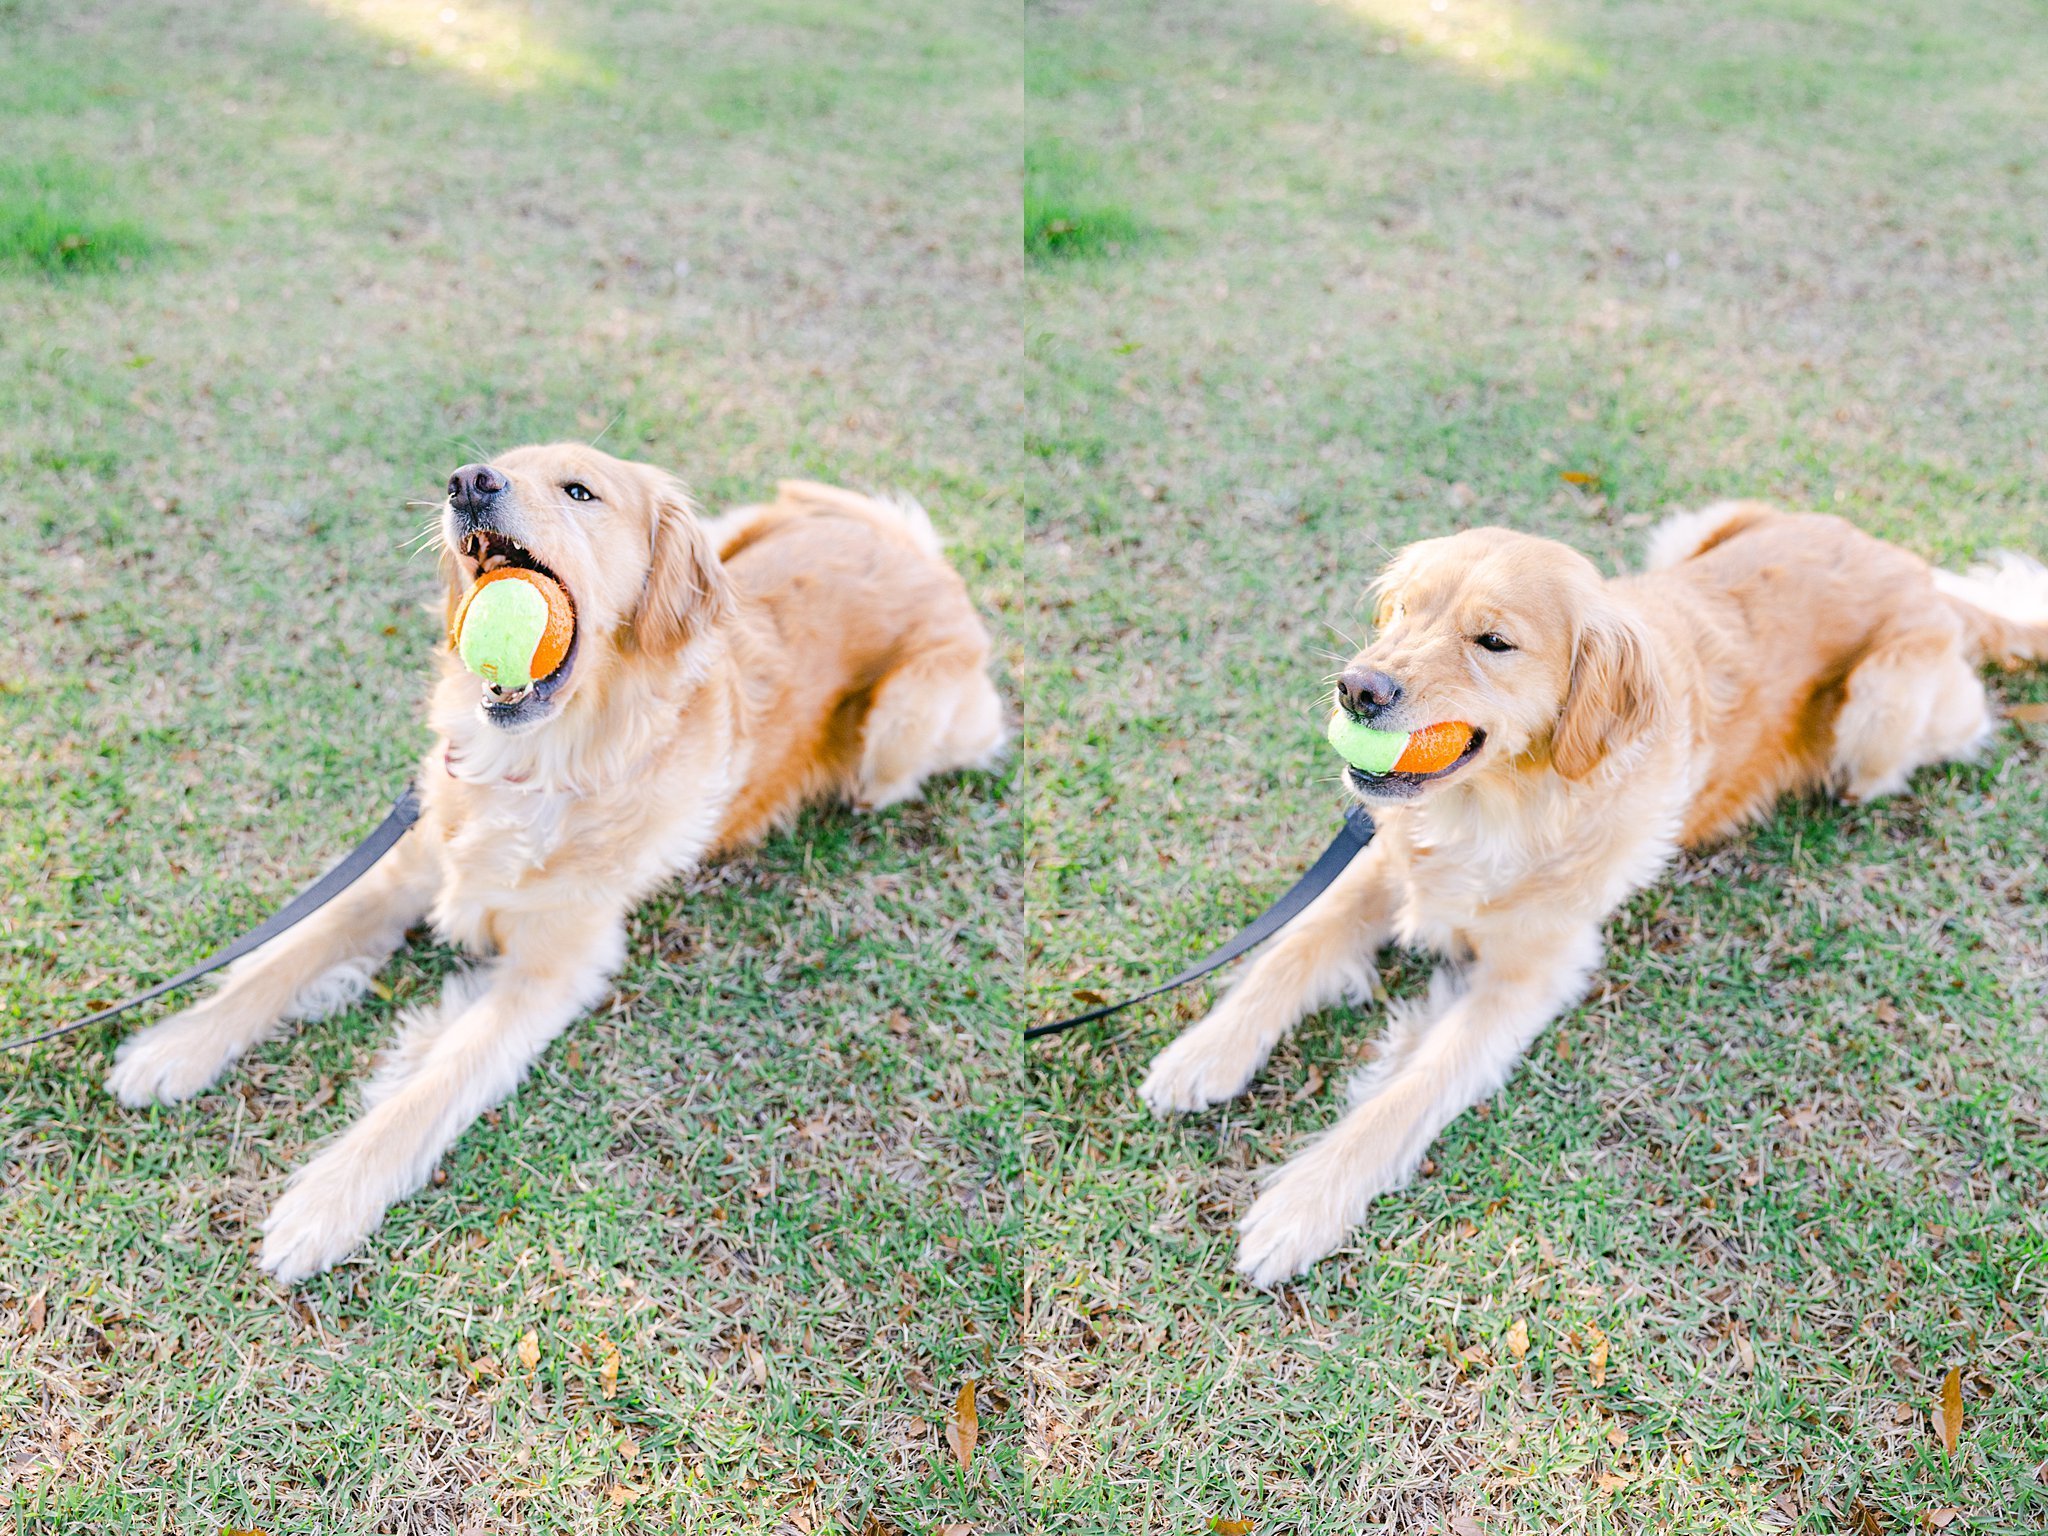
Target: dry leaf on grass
(1865,1519)
(1612,1482)
(1951,1409)
(608,1371)
(1223,1527)
(2029,714)
(1577,477)
(959,1528)
(1939,1519)
(963,1429)
(1596,1363)
(529,1349)
(1518,1339)
(38,1312)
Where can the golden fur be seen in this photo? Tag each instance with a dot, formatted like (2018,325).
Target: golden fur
(1763,653)
(724,674)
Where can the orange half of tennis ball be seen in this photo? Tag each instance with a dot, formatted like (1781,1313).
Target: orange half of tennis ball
(1434,746)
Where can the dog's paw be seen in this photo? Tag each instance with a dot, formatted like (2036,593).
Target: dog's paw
(169,1061)
(322,1217)
(1298,1220)
(1204,1067)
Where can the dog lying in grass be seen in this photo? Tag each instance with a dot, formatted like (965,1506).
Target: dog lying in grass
(722,675)
(1611,724)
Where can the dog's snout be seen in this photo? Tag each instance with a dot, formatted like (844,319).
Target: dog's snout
(1367,693)
(471,487)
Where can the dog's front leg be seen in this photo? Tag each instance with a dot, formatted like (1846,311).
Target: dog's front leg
(308,971)
(555,965)
(1440,1067)
(1324,954)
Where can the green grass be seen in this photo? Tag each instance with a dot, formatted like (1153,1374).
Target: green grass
(1067,212)
(776,1171)
(1296,282)
(53,219)
(1789,1158)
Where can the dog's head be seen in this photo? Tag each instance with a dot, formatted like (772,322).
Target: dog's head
(1513,636)
(622,539)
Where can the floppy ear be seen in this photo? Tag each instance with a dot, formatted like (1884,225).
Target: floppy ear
(688,591)
(1615,697)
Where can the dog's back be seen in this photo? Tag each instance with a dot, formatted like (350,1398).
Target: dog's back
(1814,654)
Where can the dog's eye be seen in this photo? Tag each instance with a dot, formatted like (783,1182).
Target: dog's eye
(1491,642)
(576,492)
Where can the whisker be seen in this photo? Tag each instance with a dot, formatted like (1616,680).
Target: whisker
(607,427)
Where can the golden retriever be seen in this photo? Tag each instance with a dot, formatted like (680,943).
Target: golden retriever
(722,675)
(1613,723)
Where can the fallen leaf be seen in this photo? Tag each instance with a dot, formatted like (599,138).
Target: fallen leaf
(1611,1482)
(623,1494)
(1518,1339)
(1951,1409)
(963,1429)
(608,1371)
(1865,1519)
(529,1349)
(1597,1361)
(1223,1527)
(959,1528)
(236,1530)
(1617,1436)
(1465,1525)
(1937,1519)
(1577,477)
(2030,714)
(38,1312)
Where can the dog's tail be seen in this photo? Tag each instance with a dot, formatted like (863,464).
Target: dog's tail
(889,507)
(1686,534)
(2004,603)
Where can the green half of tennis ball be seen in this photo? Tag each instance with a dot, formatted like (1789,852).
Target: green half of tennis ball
(502,627)
(1367,750)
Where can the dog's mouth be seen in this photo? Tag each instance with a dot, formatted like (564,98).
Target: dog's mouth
(481,551)
(1406,786)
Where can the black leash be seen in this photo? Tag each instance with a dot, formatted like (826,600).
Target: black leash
(1349,842)
(352,868)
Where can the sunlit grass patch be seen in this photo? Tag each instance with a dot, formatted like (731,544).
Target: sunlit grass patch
(1496,39)
(1068,212)
(53,217)
(494,45)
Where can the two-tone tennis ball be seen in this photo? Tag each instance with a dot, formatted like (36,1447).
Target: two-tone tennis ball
(514,627)
(1380,752)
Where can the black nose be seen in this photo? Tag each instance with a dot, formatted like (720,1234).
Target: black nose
(471,487)
(1366,693)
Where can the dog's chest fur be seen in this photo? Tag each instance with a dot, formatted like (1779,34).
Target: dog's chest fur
(1475,866)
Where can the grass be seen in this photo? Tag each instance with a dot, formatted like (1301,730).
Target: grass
(1297,282)
(1788,1161)
(53,219)
(1068,214)
(775,1172)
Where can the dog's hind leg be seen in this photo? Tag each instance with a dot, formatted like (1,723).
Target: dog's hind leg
(1461,1054)
(935,713)
(307,972)
(1913,700)
(556,964)
(1323,955)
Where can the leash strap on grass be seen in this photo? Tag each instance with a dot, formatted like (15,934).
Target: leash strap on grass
(352,868)
(1349,842)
